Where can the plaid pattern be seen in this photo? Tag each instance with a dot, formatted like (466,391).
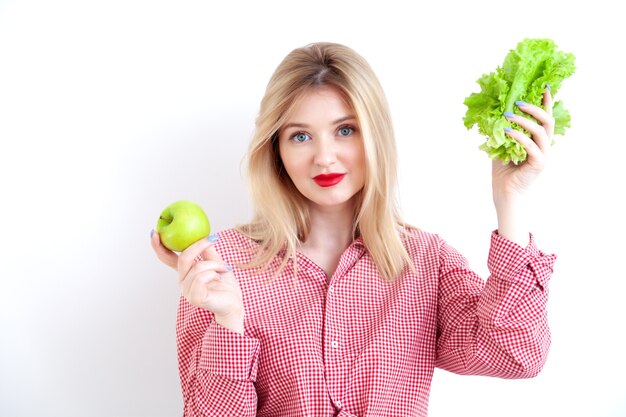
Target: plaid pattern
(356,345)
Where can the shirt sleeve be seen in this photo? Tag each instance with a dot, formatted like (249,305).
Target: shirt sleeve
(498,327)
(217,366)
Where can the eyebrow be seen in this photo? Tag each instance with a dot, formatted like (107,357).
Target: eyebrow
(304,125)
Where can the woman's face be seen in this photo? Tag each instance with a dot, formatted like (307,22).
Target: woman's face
(322,149)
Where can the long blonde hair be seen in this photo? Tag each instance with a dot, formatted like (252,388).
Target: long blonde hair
(281,218)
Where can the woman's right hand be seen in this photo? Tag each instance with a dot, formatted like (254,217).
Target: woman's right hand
(205,280)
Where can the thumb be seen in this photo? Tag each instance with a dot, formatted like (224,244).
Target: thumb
(210,253)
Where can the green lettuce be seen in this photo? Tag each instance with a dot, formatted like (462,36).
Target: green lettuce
(524,75)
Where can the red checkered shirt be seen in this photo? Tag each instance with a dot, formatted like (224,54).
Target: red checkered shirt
(357,345)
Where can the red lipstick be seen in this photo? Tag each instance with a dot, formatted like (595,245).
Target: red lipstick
(328,180)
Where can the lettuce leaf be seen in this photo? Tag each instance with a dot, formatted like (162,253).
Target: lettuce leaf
(524,75)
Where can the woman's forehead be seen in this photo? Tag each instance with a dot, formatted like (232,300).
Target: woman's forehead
(319,102)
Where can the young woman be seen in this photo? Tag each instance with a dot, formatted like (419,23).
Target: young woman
(327,303)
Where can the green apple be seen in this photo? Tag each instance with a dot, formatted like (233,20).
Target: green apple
(181,224)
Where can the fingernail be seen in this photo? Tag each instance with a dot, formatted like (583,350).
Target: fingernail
(507,129)
(520,103)
(151,232)
(213,238)
(508,114)
(548,87)
(230,268)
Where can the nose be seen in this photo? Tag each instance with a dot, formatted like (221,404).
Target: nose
(325,152)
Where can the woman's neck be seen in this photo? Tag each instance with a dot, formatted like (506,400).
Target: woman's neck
(330,227)
(330,234)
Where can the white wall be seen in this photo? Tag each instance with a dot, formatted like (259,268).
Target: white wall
(110,110)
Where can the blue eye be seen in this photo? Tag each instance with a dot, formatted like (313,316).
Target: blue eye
(346,131)
(300,137)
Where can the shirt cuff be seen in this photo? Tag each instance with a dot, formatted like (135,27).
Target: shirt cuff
(512,262)
(229,354)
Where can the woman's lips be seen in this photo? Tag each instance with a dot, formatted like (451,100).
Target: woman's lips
(328,180)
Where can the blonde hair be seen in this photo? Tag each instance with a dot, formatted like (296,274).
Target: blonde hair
(281,218)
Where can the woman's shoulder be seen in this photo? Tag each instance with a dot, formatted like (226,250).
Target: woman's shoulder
(235,235)
(419,240)
(235,244)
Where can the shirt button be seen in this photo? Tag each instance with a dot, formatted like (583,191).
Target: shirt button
(334,344)
(339,404)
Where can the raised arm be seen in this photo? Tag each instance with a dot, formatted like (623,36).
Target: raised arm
(498,328)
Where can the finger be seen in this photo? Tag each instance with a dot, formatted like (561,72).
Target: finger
(548,105)
(538,132)
(220,267)
(197,288)
(210,253)
(199,249)
(203,268)
(543,117)
(192,255)
(547,100)
(165,255)
(532,149)
(225,270)
(203,278)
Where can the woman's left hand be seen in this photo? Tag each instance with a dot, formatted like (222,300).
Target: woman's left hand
(510,181)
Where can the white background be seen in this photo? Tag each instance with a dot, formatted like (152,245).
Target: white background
(110,110)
